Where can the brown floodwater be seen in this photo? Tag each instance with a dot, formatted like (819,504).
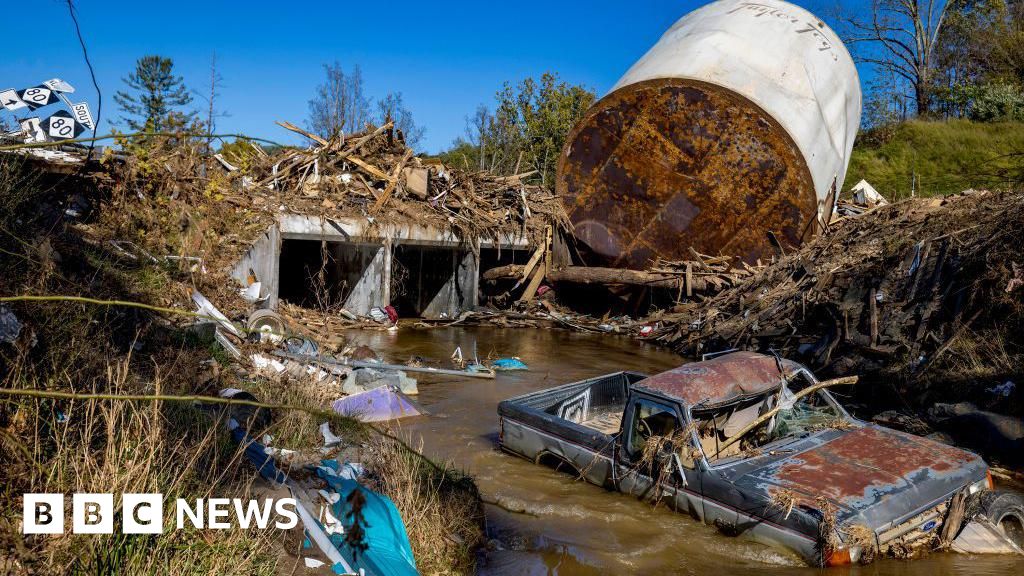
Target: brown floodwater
(571,527)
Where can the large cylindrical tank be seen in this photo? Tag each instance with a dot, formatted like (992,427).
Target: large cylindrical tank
(738,123)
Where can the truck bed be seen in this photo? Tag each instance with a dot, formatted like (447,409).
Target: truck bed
(567,421)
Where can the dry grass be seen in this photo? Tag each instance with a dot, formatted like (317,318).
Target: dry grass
(121,447)
(860,536)
(782,501)
(440,506)
(828,539)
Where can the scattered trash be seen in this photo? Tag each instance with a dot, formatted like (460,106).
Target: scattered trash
(330,440)
(251,293)
(312,562)
(1018,278)
(457,358)
(363,379)
(267,325)
(387,547)
(379,315)
(865,194)
(506,364)
(208,310)
(10,326)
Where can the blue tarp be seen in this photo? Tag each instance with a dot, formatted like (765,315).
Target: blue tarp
(389,552)
(509,364)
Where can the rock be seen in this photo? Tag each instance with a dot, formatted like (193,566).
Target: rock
(996,436)
(364,353)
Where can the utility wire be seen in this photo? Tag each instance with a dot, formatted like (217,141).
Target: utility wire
(92,73)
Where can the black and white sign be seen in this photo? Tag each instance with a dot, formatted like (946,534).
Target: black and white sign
(83,115)
(33,130)
(61,126)
(10,100)
(58,85)
(38,96)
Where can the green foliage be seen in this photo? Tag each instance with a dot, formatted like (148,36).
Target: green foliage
(241,153)
(946,157)
(993,102)
(979,60)
(527,129)
(155,97)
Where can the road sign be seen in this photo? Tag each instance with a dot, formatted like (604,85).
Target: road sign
(83,115)
(33,131)
(58,85)
(11,101)
(38,96)
(62,126)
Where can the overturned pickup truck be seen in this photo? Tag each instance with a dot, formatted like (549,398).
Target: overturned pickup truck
(758,447)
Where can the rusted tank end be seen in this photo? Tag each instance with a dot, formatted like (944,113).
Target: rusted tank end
(662,165)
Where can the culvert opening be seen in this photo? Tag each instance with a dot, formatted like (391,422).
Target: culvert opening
(422,280)
(316,273)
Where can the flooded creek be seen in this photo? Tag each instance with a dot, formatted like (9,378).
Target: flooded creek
(570,527)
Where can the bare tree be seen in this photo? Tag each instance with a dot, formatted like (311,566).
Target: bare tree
(477,127)
(898,37)
(339,105)
(211,97)
(391,107)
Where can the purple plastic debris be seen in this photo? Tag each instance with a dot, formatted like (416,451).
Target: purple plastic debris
(376,405)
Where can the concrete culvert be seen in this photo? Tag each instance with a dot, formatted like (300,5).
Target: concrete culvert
(738,123)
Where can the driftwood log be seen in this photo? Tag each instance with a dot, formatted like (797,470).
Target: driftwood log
(590,275)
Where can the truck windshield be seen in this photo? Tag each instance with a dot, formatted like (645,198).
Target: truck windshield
(808,414)
(726,432)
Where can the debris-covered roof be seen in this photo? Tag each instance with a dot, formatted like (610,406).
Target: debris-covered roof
(720,380)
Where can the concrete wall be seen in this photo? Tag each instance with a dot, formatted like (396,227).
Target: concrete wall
(262,258)
(373,288)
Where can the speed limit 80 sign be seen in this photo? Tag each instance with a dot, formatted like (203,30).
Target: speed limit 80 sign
(62,126)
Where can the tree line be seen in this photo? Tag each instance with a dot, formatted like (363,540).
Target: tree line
(155,99)
(524,132)
(939,59)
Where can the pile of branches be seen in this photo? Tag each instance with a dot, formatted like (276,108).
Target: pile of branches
(925,289)
(373,173)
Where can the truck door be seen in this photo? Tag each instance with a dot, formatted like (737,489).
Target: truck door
(654,455)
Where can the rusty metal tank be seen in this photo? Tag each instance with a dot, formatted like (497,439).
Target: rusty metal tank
(737,125)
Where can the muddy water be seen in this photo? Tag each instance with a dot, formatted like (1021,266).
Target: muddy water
(572,527)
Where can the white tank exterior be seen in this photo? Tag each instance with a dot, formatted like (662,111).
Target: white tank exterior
(781,57)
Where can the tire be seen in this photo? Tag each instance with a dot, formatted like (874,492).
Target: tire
(1005,510)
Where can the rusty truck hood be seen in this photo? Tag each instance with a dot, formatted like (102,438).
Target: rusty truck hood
(872,475)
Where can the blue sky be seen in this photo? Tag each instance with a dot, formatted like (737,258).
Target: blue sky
(445,57)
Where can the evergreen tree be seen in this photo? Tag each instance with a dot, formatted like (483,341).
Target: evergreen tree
(156,97)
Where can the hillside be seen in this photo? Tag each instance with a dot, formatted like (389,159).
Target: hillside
(947,157)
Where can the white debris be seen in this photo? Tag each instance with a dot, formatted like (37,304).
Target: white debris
(865,194)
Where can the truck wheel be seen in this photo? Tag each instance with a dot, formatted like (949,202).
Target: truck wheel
(1005,510)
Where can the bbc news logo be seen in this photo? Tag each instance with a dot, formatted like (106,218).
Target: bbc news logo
(144,513)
